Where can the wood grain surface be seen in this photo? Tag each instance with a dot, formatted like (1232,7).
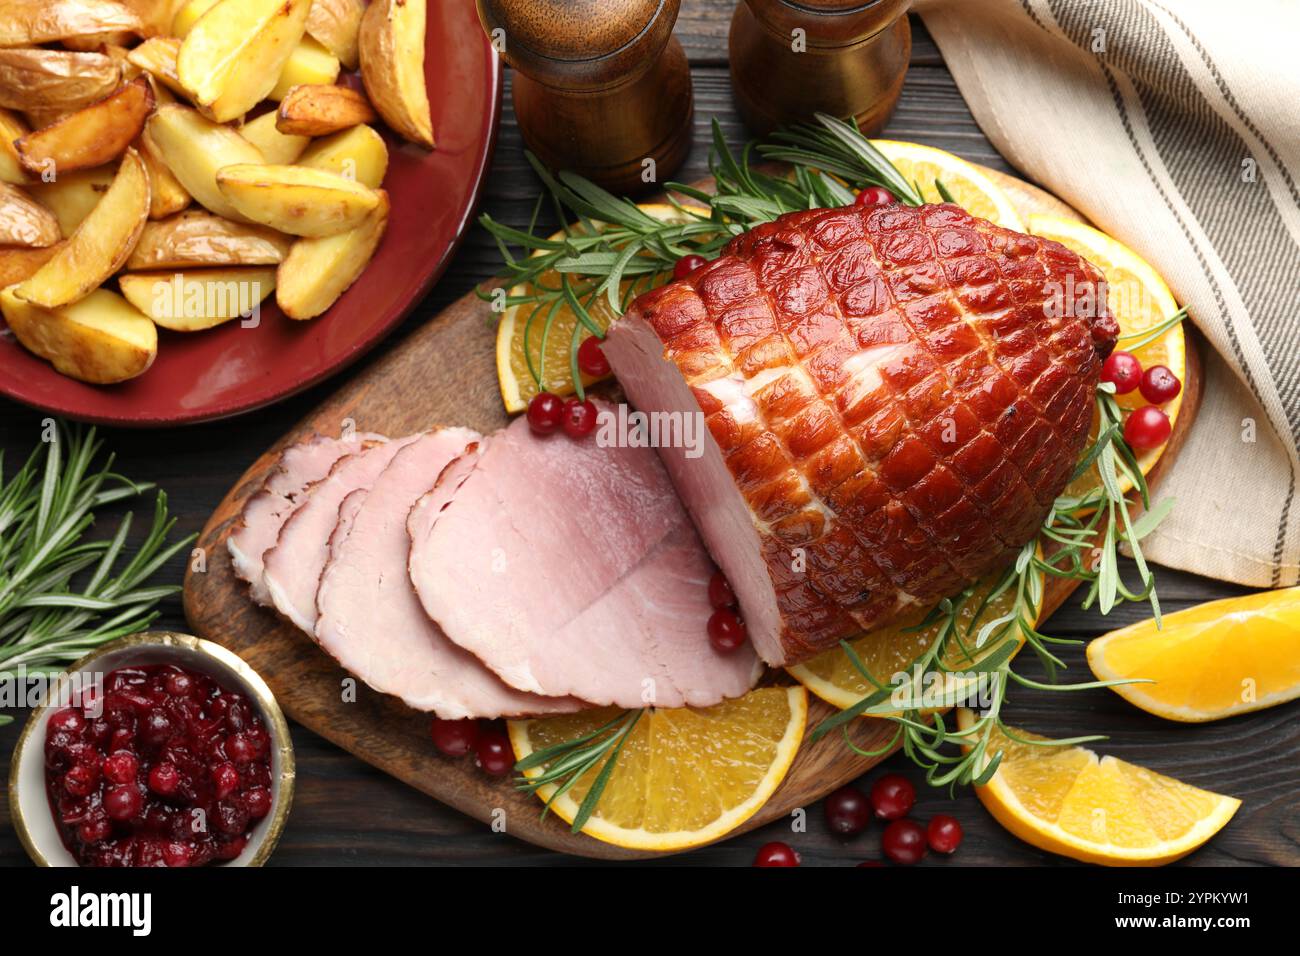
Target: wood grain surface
(348,812)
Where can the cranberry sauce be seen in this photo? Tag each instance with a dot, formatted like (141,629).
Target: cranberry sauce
(162,767)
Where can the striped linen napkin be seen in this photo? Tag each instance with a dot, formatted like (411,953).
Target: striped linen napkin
(1173,125)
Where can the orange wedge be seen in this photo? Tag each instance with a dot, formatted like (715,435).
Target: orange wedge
(972,190)
(1069,801)
(1211,661)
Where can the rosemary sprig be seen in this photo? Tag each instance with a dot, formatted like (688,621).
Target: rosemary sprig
(616,251)
(60,595)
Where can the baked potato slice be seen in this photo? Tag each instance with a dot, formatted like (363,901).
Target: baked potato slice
(24,221)
(90,137)
(298,200)
(196,238)
(157,57)
(166,194)
(103,241)
(335,24)
(276,147)
(358,153)
(34,22)
(232,57)
(193,301)
(309,63)
(17,262)
(12,127)
(155,15)
(317,271)
(318,110)
(392,66)
(40,80)
(73,195)
(194,148)
(100,338)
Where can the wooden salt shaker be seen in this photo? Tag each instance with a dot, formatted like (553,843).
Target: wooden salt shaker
(601,87)
(844,57)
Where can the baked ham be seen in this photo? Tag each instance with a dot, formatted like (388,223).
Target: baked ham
(894,395)
(571,569)
(299,467)
(369,619)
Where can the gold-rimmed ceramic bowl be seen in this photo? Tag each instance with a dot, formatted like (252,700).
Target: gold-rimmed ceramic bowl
(29,807)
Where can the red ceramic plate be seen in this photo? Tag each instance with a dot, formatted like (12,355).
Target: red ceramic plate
(230,369)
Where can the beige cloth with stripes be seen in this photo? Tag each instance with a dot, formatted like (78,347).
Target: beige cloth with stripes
(1174,125)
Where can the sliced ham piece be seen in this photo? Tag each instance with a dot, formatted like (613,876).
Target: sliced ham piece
(370,620)
(572,569)
(294,566)
(299,467)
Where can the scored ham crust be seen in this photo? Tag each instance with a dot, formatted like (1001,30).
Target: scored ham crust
(895,397)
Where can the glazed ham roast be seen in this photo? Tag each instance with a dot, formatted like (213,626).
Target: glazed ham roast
(895,397)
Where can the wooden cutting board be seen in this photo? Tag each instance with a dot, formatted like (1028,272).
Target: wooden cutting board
(445,374)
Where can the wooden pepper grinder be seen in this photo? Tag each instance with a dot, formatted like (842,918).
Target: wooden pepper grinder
(601,87)
(844,57)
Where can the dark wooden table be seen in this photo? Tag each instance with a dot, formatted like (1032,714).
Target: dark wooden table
(347,813)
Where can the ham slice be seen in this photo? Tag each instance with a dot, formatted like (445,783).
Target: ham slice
(294,566)
(370,620)
(572,569)
(299,467)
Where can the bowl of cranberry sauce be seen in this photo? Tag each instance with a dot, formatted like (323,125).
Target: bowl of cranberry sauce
(158,749)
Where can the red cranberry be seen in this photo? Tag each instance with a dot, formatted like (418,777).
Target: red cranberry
(1147,427)
(81,780)
(94,829)
(179,684)
(686,265)
(944,834)
(1159,384)
(892,796)
(225,779)
(258,739)
(903,842)
(121,767)
(720,593)
(239,749)
(1123,370)
(726,631)
(177,853)
(232,818)
(69,720)
(495,755)
(545,412)
(874,196)
(164,778)
(591,358)
(122,801)
(847,811)
(579,418)
(776,854)
(257,801)
(157,728)
(455,738)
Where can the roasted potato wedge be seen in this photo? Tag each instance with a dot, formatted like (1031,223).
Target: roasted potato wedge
(232,57)
(298,200)
(33,22)
(155,15)
(193,301)
(194,148)
(188,15)
(17,263)
(392,66)
(100,338)
(24,221)
(276,147)
(358,153)
(166,194)
(90,137)
(103,241)
(73,195)
(12,127)
(38,80)
(317,271)
(313,110)
(309,63)
(197,238)
(335,24)
(157,57)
